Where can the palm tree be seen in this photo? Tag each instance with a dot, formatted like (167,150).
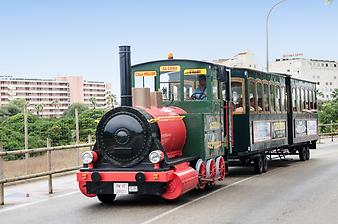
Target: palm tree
(93,101)
(111,100)
(335,95)
(39,109)
(56,105)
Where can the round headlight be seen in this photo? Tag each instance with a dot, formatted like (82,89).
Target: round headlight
(87,157)
(156,156)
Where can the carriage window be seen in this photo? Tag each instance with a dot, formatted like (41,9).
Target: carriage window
(278,108)
(306,99)
(283,99)
(272,97)
(237,88)
(298,99)
(170,85)
(266,101)
(259,96)
(314,100)
(252,95)
(311,100)
(302,104)
(215,89)
(145,79)
(294,100)
(195,87)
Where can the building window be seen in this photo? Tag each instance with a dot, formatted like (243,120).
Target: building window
(330,83)
(334,77)
(288,70)
(327,65)
(335,65)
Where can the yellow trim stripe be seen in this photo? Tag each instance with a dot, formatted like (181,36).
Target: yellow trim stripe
(166,118)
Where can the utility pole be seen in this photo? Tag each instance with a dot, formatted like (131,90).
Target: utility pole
(25,121)
(267,33)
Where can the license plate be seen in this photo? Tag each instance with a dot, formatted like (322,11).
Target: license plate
(121,188)
(133,189)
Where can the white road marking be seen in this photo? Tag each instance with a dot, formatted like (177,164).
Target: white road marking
(195,200)
(2,210)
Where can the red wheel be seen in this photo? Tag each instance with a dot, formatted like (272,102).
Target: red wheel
(211,169)
(220,168)
(202,173)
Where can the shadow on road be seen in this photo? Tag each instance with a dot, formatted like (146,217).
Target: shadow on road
(236,174)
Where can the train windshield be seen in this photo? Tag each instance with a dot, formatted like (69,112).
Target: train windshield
(195,87)
(145,79)
(170,85)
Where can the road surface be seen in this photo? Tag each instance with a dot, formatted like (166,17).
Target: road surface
(291,192)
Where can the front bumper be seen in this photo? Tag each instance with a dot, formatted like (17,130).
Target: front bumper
(92,183)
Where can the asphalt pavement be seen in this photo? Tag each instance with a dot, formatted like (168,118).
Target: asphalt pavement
(290,192)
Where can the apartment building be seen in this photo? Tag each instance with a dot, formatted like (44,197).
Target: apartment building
(324,72)
(245,59)
(51,97)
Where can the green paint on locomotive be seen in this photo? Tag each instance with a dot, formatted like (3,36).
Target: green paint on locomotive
(205,139)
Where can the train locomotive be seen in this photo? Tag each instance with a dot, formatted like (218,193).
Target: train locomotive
(181,124)
(139,148)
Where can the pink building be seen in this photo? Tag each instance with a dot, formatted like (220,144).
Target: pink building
(55,95)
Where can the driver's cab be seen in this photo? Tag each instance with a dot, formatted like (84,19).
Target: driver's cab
(194,87)
(183,83)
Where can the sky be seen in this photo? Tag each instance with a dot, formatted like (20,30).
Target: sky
(45,38)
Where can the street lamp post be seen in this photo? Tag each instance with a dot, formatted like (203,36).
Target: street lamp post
(267,34)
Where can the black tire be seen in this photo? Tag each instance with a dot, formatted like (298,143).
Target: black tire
(259,165)
(265,164)
(106,198)
(302,153)
(292,151)
(307,153)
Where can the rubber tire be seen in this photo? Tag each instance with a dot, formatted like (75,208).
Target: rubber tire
(302,153)
(265,164)
(259,165)
(292,151)
(307,153)
(106,198)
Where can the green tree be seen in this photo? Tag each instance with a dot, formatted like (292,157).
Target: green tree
(93,102)
(60,134)
(111,100)
(38,108)
(56,104)
(335,95)
(328,112)
(88,121)
(12,108)
(70,112)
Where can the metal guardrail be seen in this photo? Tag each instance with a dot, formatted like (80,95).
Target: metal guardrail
(49,171)
(332,133)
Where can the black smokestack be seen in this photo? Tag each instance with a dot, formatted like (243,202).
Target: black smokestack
(125,75)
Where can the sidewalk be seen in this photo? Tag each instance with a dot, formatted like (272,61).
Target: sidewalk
(37,190)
